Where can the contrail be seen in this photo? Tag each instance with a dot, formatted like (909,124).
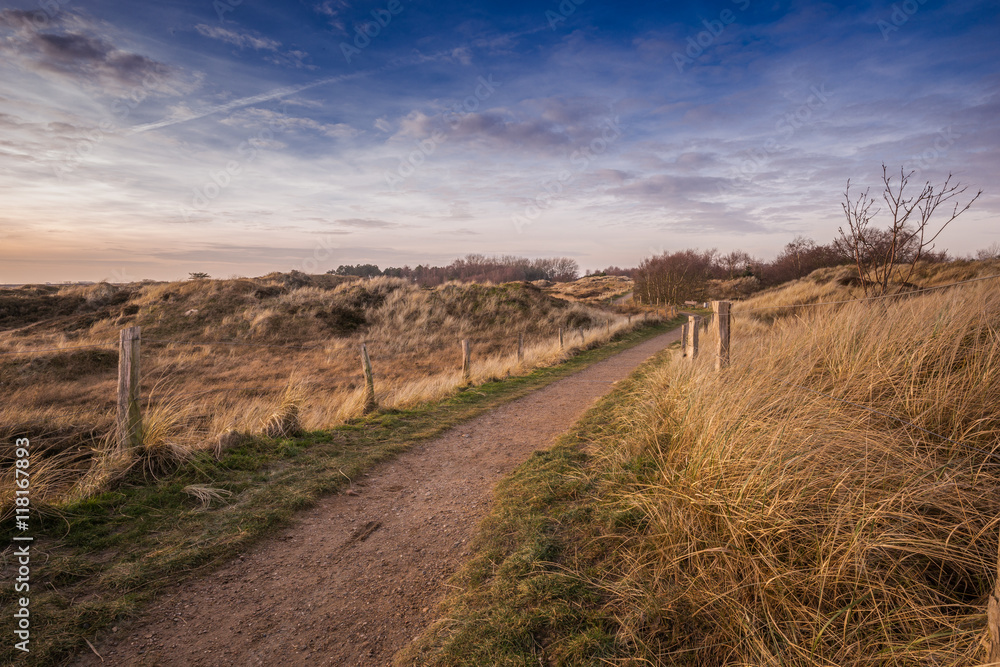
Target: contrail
(287,90)
(291,90)
(246,101)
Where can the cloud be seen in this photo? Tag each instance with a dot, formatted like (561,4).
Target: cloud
(507,132)
(366,223)
(616,176)
(255,117)
(243,40)
(666,187)
(65,49)
(253,40)
(333,9)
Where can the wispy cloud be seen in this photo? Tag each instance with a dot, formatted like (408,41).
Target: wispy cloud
(244,40)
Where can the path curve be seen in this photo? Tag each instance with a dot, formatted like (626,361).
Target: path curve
(623,299)
(354,578)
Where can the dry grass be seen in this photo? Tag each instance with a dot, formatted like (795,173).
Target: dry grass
(789,528)
(64,399)
(839,283)
(591,289)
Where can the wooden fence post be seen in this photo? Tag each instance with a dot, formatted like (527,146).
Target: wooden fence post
(520,347)
(466,361)
(684,340)
(366,366)
(129,414)
(694,323)
(608,327)
(721,311)
(560,338)
(993,625)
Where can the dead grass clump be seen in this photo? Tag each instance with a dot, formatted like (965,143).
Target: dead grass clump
(52,475)
(786,525)
(205,494)
(228,439)
(168,439)
(284,422)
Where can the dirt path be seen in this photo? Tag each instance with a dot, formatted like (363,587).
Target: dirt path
(356,577)
(623,299)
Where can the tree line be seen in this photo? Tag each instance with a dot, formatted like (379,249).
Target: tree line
(474,268)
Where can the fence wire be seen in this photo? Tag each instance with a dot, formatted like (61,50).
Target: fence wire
(57,349)
(922,290)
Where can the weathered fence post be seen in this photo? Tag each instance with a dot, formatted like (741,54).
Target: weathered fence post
(721,311)
(466,361)
(684,340)
(366,366)
(129,415)
(993,626)
(993,621)
(694,323)
(560,338)
(520,347)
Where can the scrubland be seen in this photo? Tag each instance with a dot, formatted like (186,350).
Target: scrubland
(831,498)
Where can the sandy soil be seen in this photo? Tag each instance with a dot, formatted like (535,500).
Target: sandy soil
(360,574)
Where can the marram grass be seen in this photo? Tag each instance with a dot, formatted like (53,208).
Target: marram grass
(748,517)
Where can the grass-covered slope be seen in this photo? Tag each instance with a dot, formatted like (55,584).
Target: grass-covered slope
(289,347)
(759,515)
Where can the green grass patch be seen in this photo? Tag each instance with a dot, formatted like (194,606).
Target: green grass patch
(535,590)
(98,561)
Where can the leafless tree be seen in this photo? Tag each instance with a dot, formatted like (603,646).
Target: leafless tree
(992,252)
(671,278)
(734,264)
(909,237)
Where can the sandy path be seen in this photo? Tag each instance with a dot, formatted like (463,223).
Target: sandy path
(623,299)
(357,577)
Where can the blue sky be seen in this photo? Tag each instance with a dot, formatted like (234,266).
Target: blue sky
(239,137)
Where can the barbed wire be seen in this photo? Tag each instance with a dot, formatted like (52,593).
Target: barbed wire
(57,349)
(231,343)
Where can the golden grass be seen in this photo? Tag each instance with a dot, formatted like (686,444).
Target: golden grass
(786,527)
(195,394)
(591,289)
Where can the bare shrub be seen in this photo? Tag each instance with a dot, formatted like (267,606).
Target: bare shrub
(909,236)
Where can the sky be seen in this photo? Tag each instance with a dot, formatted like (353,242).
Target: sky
(238,137)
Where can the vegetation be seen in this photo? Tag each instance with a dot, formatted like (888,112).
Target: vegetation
(474,268)
(909,235)
(108,554)
(830,499)
(593,289)
(199,397)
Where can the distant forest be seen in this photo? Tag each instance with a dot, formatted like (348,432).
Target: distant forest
(474,268)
